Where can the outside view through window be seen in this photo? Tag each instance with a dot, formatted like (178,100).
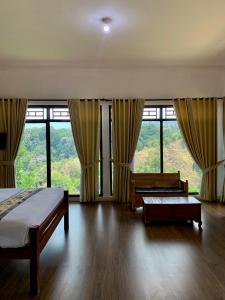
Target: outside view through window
(160,148)
(175,155)
(65,165)
(147,155)
(31,163)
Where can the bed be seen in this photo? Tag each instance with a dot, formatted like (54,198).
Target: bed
(27,227)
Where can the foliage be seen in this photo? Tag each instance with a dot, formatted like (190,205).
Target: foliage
(176,157)
(65,165)
(31,160)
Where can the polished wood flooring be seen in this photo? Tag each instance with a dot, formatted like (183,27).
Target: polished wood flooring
(109,254)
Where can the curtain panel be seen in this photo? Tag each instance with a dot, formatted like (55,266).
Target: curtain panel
(85,122)
(223,192)
(197,119)
(126,124)
(12,121)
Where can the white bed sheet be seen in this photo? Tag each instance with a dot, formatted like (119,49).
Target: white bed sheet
(14,227)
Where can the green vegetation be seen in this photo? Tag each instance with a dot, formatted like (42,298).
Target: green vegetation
(65,166)
(175,154)
(31,159)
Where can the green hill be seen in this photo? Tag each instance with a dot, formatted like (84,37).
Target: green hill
(65,166)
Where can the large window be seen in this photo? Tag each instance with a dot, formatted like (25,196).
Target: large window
(47,155)
(161,147)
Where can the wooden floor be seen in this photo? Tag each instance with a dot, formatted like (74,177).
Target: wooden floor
(110,254)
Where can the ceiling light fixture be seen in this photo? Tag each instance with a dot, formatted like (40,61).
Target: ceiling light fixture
(106,24)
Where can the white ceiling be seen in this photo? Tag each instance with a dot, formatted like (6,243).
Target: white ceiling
(144,33)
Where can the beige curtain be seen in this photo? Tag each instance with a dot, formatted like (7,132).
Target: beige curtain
(223,193)
(197,119)
(85,122)
(12,120)
(126,124)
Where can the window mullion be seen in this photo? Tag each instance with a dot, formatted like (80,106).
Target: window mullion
(161,141)
(106,153)
(48,148)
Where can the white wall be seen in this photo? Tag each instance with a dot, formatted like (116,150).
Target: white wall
(61,83)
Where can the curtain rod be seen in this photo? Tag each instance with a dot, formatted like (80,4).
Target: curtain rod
(109,100)
(106,100)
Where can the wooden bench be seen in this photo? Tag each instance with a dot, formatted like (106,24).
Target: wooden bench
(156,185)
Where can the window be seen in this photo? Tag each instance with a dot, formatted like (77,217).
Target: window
(47,155)
(161,147)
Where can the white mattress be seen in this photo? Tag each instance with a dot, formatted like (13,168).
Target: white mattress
(33,211)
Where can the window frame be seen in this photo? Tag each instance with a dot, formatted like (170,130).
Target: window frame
(47,123)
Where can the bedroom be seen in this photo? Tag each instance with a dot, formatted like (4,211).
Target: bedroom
(157,51)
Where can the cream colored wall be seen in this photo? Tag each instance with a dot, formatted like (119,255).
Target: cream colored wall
(220,148)
(60,83)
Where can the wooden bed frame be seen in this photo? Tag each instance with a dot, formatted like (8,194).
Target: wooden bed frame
(39,236)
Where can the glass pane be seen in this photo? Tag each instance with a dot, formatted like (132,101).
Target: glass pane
(177,157)
(169,113)
(147,154)
(37,113)
(65,165)
(31,158)
(59,113)
(151,113)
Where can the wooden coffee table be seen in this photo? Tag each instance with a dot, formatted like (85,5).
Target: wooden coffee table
(171,209)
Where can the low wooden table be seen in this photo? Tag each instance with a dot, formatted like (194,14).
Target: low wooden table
(171,208)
